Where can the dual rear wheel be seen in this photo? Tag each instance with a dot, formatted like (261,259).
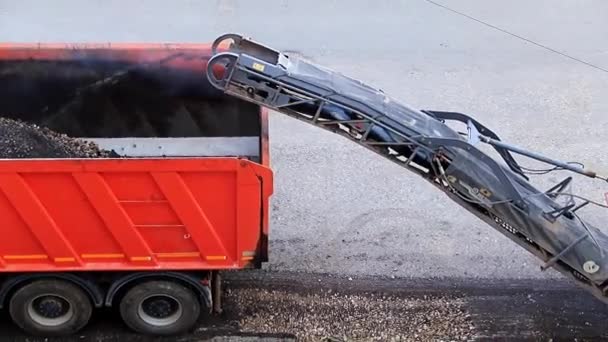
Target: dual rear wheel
(50,307)
(160,308)
(53,307)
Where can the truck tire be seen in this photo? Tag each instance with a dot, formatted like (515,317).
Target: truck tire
(50,307)
(160,308)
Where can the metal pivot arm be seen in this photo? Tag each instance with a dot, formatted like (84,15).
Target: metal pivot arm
(533,155)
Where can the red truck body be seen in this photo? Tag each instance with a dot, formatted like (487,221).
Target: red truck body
(74,215)
(154,228)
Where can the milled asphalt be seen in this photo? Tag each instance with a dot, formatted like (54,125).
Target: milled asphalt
(340,209)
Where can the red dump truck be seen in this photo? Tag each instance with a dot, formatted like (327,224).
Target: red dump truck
(148,229)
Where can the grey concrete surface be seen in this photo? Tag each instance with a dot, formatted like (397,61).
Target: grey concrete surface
(340,209)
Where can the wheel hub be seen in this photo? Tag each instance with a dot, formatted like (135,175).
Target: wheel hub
(51,307)
(160,310)
(160,307)
(50,310)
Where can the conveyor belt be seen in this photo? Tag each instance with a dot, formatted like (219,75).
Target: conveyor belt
(424,143)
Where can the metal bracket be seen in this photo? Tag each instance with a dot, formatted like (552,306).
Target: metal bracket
(552,216)
(556,258)
(504,153)
(559,187)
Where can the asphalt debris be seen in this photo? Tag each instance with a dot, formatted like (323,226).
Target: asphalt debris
(334,316)
(19,139)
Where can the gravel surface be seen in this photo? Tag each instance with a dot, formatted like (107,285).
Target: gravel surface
(22,140)
(331,315)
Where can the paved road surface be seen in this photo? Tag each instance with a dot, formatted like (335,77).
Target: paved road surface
(373,217)
(341,210)
(522,310)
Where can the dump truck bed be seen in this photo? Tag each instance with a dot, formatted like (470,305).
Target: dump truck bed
(71,215)
(189,191)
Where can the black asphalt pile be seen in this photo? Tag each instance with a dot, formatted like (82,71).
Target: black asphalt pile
(331,316)
(23,140)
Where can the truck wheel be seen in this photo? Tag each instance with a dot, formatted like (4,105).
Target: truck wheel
(50,308)
(160,308)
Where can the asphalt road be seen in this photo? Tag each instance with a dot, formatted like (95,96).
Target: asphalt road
(505,310)
(341,210)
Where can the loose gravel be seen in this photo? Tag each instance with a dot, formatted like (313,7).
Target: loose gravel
(332,316)
(23,140)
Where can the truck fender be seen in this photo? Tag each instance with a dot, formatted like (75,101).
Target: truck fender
(190,280)
(12,283)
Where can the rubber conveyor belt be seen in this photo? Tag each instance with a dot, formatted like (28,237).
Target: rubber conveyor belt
(422,142)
